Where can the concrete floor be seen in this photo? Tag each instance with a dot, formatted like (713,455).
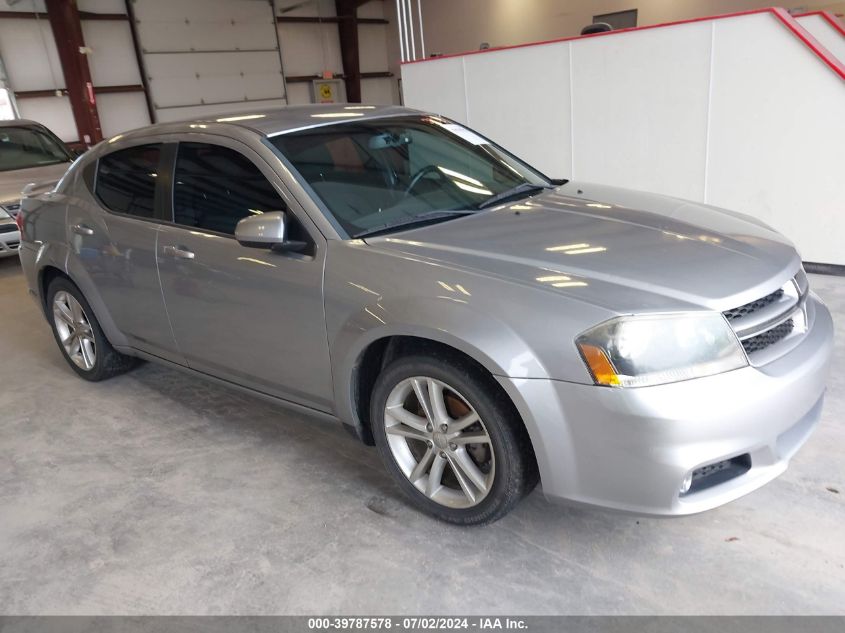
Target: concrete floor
(156,493)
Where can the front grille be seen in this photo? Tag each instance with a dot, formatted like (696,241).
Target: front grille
(765,322)
(750,308)
(8,228)
(718,473)
(769,337)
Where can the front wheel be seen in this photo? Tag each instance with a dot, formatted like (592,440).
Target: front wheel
(451,439)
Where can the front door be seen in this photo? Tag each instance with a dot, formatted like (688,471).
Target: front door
(248,315)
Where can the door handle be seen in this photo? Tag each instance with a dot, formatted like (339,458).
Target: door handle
(83,229)
(179,253)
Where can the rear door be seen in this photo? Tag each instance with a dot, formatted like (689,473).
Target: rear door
(249,315)
(113,225)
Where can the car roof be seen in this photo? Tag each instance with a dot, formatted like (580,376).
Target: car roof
(272,121)
(20,123)
(287,118)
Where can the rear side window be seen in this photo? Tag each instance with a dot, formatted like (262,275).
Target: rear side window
(126,180)
(215,187)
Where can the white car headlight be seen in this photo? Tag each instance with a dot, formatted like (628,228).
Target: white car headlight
(638,351)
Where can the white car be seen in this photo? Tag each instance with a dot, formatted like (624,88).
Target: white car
(10,236)
(29,153)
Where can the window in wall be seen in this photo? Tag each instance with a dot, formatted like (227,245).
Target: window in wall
(619,19)
(215,187)
(126,180)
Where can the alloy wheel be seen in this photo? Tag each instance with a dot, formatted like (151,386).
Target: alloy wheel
(439,442)
(75,332)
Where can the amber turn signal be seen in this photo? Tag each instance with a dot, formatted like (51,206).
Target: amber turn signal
(600,367)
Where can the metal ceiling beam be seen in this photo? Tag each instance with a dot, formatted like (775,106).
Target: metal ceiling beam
(83,15)
(347,26)
(67,31)
(332,19)
(35,94)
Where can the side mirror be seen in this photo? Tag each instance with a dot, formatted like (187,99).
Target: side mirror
(261,231)
(266,230)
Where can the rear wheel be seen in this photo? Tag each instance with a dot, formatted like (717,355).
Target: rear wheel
(79,335)
(451,440)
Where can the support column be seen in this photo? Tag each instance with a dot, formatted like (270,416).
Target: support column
(347,11)
(67,31)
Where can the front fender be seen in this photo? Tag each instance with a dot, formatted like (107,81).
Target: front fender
(452,322)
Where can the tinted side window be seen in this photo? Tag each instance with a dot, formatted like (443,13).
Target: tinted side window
(215,187)
(126,180)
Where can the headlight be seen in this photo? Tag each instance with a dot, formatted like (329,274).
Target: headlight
(639,351)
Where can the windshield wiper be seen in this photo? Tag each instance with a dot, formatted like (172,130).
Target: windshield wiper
(521,190)
(423,218)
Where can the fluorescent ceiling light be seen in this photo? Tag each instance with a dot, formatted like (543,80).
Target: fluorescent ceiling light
(241,117)
(567,247)
(472,189)
(335,115)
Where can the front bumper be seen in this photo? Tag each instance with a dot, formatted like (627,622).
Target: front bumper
(10,242)
(630,449)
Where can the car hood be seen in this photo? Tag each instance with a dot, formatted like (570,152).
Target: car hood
(13,182)
(620,249)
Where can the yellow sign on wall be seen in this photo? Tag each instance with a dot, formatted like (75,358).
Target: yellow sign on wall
(326,91)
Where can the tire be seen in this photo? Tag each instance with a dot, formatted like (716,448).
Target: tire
(445,485)
(89,353)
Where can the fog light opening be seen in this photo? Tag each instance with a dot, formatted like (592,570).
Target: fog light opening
(687,483)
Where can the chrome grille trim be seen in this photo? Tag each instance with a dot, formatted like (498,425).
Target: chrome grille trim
(773,310)
(764,325)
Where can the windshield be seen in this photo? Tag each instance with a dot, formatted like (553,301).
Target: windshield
(23,147)
(379,173)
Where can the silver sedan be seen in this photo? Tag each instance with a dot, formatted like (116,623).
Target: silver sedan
(483,325)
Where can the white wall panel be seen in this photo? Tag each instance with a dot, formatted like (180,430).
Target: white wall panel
(309,49)
(378,91)
(29,53)
(736,112)
(112,60)
(777,136)
(438,86)
(195,112)
(827,34)
(374,9)
(372,47)
(18,5)
(194,78)
(122,111)
(519,101)
(198,25)
(310,8)
(300,93)
(54,112)
(640,109)
(102,6)
(209,55)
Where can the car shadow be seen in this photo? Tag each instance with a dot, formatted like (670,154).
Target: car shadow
(324,442)
(10,267)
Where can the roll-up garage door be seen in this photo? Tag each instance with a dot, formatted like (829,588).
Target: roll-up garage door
(204,57)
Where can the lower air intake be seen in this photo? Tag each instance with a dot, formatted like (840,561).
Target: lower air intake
(718,473)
